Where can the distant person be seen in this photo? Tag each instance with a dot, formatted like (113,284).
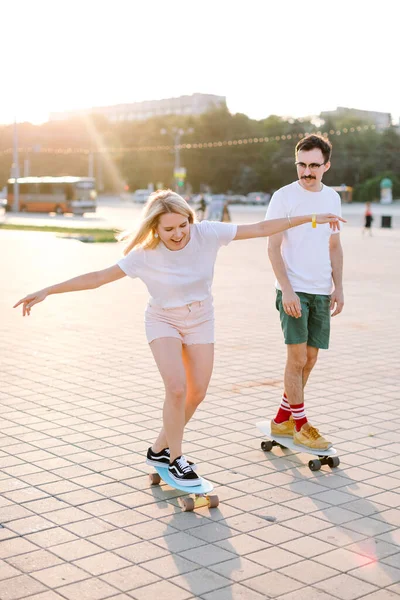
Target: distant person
(226,216)
(175,257)
(306,261)
(368,218)
(201,209)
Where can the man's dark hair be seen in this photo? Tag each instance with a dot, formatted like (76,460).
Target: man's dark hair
(315,141)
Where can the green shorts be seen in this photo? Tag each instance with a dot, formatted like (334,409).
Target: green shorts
(314,324)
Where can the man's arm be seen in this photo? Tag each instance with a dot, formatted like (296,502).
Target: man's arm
(336,254)
(290,300)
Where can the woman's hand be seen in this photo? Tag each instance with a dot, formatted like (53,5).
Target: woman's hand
(30,300)
(87,281)
(333,220)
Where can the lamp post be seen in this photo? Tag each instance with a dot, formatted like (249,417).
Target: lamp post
(15,169)
(91,164)
(179,171)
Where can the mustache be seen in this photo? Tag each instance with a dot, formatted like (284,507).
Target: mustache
(308,177)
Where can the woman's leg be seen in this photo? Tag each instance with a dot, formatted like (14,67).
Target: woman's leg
(198,361)
(167,353)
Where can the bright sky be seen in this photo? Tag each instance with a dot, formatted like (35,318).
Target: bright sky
(267,57)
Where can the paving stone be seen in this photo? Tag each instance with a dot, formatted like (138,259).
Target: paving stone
(81,400)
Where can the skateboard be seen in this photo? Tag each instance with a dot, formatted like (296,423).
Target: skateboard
(197,495)
(324,457)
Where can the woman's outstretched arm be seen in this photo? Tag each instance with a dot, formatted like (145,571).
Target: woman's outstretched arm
(266,228)
(88,281)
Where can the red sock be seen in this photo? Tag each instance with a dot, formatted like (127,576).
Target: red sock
(299,415)
(284,411)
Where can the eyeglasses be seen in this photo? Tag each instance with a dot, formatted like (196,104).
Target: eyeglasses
(311,166)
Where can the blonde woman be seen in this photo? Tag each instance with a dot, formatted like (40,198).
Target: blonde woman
(175,256)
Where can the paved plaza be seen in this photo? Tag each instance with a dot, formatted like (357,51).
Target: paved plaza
(81,400)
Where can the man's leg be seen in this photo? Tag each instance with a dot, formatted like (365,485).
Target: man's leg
(294,373)
(301,360)
(318,337)
(294,330)
(293,379)
(312,356)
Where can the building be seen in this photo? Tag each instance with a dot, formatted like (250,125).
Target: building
(381,120)
(195,104)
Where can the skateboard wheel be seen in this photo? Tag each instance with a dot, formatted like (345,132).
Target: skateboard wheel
(266,446)
(333,461)
(213,501)
(314,465)
(187,504)
(154,478)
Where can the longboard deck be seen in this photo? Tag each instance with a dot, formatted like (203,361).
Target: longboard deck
(265,428)
(204,488)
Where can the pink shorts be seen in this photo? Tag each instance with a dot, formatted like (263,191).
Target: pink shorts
(192,323)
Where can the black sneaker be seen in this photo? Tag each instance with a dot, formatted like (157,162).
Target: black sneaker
(158,459)
(161,459)
(181,472)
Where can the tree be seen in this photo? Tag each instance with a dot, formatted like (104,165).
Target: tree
(358,155)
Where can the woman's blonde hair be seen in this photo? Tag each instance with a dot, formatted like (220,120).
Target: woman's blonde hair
(159,203)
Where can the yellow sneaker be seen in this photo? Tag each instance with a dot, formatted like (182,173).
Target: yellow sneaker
(285,429)
(309,437)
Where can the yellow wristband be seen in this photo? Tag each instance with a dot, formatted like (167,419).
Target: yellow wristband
(314,221)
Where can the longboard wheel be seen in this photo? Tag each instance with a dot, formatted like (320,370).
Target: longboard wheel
(154,478)
(213,501)
(266,446)
(314,465)
(187,504)
(333,461)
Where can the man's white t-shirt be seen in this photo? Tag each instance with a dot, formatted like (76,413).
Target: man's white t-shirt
(178,277)
(305,251)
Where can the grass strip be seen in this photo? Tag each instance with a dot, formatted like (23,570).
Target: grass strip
(91,235)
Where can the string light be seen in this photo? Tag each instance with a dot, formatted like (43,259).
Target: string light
(190,146)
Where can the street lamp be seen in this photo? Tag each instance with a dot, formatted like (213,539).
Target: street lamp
(179,171)
(16,169)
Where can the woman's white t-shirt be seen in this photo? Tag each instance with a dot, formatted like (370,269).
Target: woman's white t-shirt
(305,251)
(178,277)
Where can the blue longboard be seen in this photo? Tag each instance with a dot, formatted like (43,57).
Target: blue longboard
(198,495)
(324,457)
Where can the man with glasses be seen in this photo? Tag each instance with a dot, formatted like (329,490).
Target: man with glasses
(308,264)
